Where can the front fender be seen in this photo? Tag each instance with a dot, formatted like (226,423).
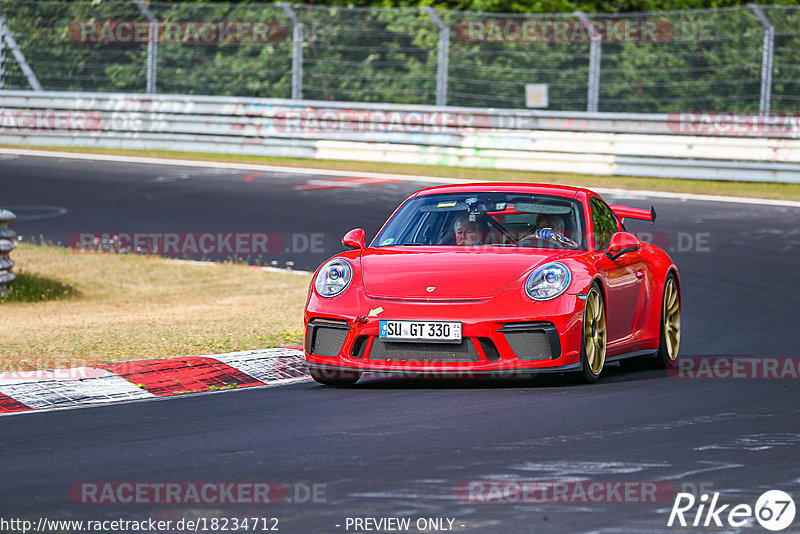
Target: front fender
(583,275)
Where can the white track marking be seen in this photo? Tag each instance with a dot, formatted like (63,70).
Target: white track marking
(80,387)
(74,373)
(714,466)
(269,366)
(403,177)
(52,393)
(565,468)
(48,212)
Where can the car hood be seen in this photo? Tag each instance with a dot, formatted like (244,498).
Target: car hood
(454,273)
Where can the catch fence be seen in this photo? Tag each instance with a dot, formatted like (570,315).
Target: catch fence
(728,59)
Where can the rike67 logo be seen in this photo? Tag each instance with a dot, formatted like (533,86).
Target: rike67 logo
(774,510)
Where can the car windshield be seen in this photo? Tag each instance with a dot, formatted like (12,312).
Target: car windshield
(490,219)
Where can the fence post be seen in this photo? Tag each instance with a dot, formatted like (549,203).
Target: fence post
(7,244)
(5,35)
(443,59)
(2,60)
(152,45)
(767,53)
(297,50)
(593,95)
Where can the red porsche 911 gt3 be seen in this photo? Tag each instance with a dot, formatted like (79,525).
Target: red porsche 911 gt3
(470,280)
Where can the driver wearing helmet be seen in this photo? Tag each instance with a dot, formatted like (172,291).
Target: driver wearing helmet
(551,221)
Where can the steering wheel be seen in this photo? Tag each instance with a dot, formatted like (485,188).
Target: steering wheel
(551,236)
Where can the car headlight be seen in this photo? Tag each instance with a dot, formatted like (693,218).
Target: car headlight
(333,278)
(548,281)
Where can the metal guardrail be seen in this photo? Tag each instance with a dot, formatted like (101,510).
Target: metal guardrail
(155,107)
(661,145)
(7,244)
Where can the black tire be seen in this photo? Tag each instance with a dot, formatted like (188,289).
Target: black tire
(670,336)
(667,353)
(593,336)
(334,377)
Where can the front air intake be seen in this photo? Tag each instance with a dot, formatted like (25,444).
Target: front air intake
(325,337)
(533,341)
(424,352)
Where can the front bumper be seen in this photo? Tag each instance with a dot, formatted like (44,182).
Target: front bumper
(546,341)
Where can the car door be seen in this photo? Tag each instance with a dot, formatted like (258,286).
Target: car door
(624,276)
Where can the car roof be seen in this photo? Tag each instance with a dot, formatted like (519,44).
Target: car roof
(506,187)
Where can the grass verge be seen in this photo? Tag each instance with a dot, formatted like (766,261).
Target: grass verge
(28,287)
(777,191)
(127,307)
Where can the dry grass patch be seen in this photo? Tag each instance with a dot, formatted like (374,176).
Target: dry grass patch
(132,307)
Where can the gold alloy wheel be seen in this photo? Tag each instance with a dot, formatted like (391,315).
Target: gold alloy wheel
(671,316)
(594,331)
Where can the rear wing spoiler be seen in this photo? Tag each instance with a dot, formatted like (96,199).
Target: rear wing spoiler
(624,212)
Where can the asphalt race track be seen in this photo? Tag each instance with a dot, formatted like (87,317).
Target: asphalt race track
(58,199)
(395,448)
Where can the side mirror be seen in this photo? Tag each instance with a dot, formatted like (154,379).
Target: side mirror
(622,242)
(356,239)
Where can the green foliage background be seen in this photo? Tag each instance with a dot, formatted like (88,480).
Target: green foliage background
(534,6)
(356,50)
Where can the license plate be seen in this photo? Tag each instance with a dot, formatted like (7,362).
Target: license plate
(435,331)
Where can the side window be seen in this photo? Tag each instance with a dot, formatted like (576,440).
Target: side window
(604,223)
